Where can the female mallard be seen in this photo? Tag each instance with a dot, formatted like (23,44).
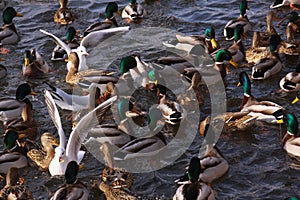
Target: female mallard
(65,153)
(112,193)
(291,81)
(64,15)
(133,11)
(8,33)
(13,155)
(242,20)
(270,65)
(116,177)
(15,187)
(42,157)
(34,65)
(11,108)
(194,189)
(291,3)
(109,22)
(73,188)
(58,52)
(263,110)
(291,141)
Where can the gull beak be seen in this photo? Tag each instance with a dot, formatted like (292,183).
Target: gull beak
(19,14)
(214,43)
(295,100)
(233,63)
(60,159)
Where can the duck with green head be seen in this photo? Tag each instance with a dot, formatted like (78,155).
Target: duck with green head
(133,12)
(8,33)
(291,139)
(266,111)
(270,65)
(13,155)
(242,20)
(220,65)
(64,15)
(194,189)
(237,50)
(109,22)
(73,188)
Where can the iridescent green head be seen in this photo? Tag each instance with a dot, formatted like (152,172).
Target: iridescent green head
(238,32)
(275,41)
(71,172)
(71,32)
(10,139)
(22,91)
(127,63)
(245,81)
(132,1)
(292,123)
(223,55)
(210,33)
(8,14)
(111,8)
(243,7)
(291,198)
(293,17)
(194,169)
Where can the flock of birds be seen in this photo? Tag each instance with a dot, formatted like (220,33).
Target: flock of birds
(104,88)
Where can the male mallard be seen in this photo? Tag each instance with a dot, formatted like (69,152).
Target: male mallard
(65,153)
(11,108)
(34,65)
(15,187)
(291,139)
(58,52)
(222,56)
(116,177)
(73,188)
(270,65)
(14,155)
(109,22)
(237,50)
(194,189)
(112,193)
(42,157)
(242,20)
(8,33)
(64,15)
(264,110)
(291,81)
(133,11)
(291,3)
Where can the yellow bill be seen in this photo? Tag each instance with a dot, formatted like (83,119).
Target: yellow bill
(233,63)
(295,100)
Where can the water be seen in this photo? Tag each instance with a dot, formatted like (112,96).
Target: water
(259,168)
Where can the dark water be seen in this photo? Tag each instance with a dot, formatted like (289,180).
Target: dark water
(259,168)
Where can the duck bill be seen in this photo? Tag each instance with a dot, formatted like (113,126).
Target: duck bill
(19,14)
(55,143)
(214,43)
(295,100)
(33,93)
(280,121)
(239,84)
(26,62)
(233,63)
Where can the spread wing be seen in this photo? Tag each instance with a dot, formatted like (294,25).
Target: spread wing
(58,41)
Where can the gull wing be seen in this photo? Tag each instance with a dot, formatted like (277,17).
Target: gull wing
(58,41)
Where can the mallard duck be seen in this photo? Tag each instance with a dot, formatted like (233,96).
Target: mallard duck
(64,15)
(8,33)
(291,139)
(65,153)
(42,157)
(11,108)
(3,70)
(13,155)
(296,98)
(116,177)
(237,50)
(267,111)
(58,52)
(133,11)
(270,65)
(26,126)
(34,65)
(109,22)
(15,187)
(242,20)
(73,188)
(291,81)
(112,193)
(222,56)
(194,189)
(279,3)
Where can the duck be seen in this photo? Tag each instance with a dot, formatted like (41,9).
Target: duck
(73,188)
(242,20)
(66,153)
(291,81)
(291,139)
(64,15)
(133,11)
(222,56)
(193,188)
(296,98)
(34,65)
(13,155)
(112,193)
(113,176)
(270,65)
(109,22)
(8,33)
(26,125)
(280,3)
(237,49)
(266,111)
(11,108)
(3,70)
(42,157)
(15,187)
(58,52)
